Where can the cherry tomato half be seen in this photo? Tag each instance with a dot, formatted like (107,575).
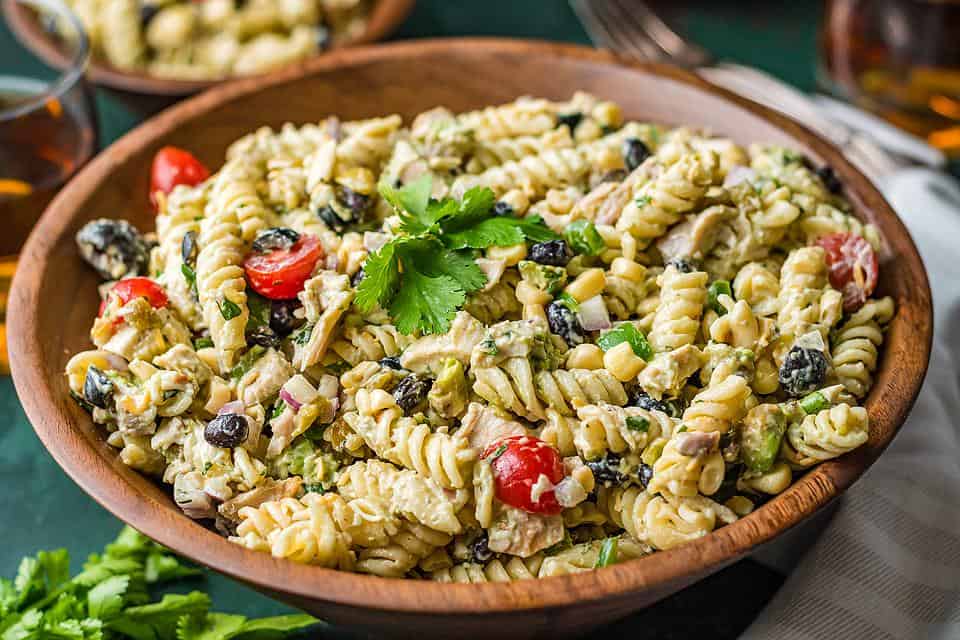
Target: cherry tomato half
(852,267)
(130,288)
(173,166)
(279,274)
(518,462)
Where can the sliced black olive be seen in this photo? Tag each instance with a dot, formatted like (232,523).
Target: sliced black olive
(188,248)
(564,323)
(391,362)
(643,400)
(227,430)
(357,203)
(480,551)
(323,38)
(148,12)
(411,392)
(356,278)
(830,179)
(114,248)
(97,387)
(275,238)
(682,265)
(331,219)
(803,370)
(555,253)
(503,209)
(263,336)
(645,474)
(570,119)
(634,153)
(283,321)
(607,469)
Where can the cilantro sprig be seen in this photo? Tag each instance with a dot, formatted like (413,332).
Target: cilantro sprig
(111,598)
(423,275)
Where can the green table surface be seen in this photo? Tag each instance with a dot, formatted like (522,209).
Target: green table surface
(43,508)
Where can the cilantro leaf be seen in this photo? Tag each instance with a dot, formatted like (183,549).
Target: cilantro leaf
(429,258)
(492,232)
(106,599)
(381,278)
(475,207)
(535,230)
(426,303)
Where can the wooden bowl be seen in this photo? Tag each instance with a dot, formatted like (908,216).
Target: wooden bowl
(386,17)
(54,300)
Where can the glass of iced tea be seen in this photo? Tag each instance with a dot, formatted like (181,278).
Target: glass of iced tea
(899,59)
(47,131)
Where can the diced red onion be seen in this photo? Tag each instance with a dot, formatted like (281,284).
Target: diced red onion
(290,400)
(234,406)
(739,174)
(593,314)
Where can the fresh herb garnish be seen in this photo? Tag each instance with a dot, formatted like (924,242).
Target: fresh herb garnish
(190,276)
(638,423)
(314,487)
(569,302)
(583,237)
(112,598)
(716,289)
(499,452)
(202,343)
(278,408)
(627,332)
(608,553)
(642,201)
(247,361)
(228,309)
(423,275)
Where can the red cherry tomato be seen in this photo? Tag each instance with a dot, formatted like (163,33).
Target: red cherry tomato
(130,288)
(518,462)
(852,267)
(279,274)
(173,166)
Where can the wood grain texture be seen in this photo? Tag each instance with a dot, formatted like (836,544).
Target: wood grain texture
(54,298)
(385,17)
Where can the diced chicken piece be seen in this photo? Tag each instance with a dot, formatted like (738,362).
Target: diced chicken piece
(426,355)
(667,372)
(483,425)
(265,378)
(520,533)
(270,491)
(696,236)
(697,443)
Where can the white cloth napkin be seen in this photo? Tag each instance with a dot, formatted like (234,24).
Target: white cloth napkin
(887,566)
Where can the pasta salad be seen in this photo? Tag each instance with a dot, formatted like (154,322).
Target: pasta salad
(189,40)
(517,342)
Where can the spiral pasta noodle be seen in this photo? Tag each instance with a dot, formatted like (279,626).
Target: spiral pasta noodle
(856,344)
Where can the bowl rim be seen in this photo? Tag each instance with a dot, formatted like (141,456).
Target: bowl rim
(302,583)
(386,17)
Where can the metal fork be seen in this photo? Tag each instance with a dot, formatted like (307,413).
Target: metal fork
(631,28)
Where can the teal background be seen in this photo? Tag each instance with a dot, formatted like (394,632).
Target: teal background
(43,508)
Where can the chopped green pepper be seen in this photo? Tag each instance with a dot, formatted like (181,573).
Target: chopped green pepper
(714,291)
(627,332)
(608,553)
(814,403)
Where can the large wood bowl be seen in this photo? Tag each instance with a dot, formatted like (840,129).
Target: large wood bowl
(54,300)
(386,16)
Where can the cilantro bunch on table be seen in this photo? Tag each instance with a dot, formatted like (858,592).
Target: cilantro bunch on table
(422,275)
(111,598)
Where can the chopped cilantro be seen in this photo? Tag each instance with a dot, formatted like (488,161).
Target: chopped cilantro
(314,487)
(247,361)
(423,275)
(642,201)
(569,302)
(489,346)
(202,343)
(584,238)
(682,428)
(302,337)
(278,408)
(229,309)
(638,423)
(714,291)
(608,553)
(627,332)
(190,276)
(499,452)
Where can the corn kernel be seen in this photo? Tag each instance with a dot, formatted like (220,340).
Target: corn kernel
(511,256)
(623,363)
(628,270)
(588,284)
(585,356)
